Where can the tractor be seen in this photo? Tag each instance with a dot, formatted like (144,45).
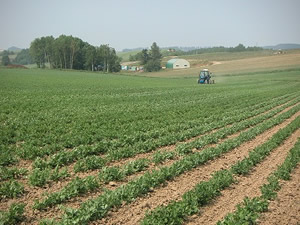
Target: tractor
(204,77)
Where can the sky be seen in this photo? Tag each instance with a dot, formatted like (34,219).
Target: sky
(138,23)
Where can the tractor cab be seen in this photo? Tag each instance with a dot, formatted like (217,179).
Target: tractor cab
(204,77)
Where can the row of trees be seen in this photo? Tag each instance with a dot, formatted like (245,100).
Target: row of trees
(178,52)
(151,60)
(68,52)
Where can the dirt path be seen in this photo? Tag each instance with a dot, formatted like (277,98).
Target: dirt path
(134,212)
(246,186)
(285,210)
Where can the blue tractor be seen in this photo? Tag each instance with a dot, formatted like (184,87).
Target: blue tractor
(205,77)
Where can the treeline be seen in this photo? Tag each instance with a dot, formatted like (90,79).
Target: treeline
(68,52)
(238,48)
(178,52)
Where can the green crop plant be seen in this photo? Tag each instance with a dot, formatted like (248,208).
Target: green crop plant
(75,188)
(161,156)
(11,189)
(11,173)
(14,215)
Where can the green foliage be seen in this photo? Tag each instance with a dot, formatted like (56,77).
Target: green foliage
(23,57)
(14,215)
(246,213)
(135,166)
(40,177)
(100,206)
(67,52)
(11,189)
(89,163)
(6,157)
(75,188)
(203,193)
(11,173)
(5,58)
(160,156)
(108,174)
(249,211)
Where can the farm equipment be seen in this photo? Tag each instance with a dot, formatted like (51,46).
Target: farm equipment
(205,77)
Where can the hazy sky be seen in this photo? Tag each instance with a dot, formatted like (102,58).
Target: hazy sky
(138,23)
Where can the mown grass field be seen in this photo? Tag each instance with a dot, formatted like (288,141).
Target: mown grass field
(91,148)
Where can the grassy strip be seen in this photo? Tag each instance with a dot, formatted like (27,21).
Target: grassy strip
(99,207)
(204,192)
(249,211)
(14,215)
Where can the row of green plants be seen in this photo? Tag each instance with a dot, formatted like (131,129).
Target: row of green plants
(108,174)
(82,186)
(7,173)
(80,154)
(204,192)
(39,177)
(199,143)
(100,206)
(117,174)
(249,211)
(14,215)
(143,144)
(31,147)
(11,189)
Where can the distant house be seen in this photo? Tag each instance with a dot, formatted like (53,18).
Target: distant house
(177,64)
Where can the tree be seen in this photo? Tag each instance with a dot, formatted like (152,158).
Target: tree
(91,57)
(67,52)
(5,58)
(23,57)
(37,52)
(143,56)
(154,60)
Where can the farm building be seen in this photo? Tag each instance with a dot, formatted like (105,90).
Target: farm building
(178,64)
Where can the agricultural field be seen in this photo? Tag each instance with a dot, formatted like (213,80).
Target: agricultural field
(91,148)
(225,63)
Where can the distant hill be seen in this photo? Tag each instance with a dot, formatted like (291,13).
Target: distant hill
(14,49)
(283,46)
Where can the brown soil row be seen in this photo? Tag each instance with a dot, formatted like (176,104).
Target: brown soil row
(247,186)
(285,210)
(173,190)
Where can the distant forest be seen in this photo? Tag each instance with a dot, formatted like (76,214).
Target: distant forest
(177,52)
(68,52)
